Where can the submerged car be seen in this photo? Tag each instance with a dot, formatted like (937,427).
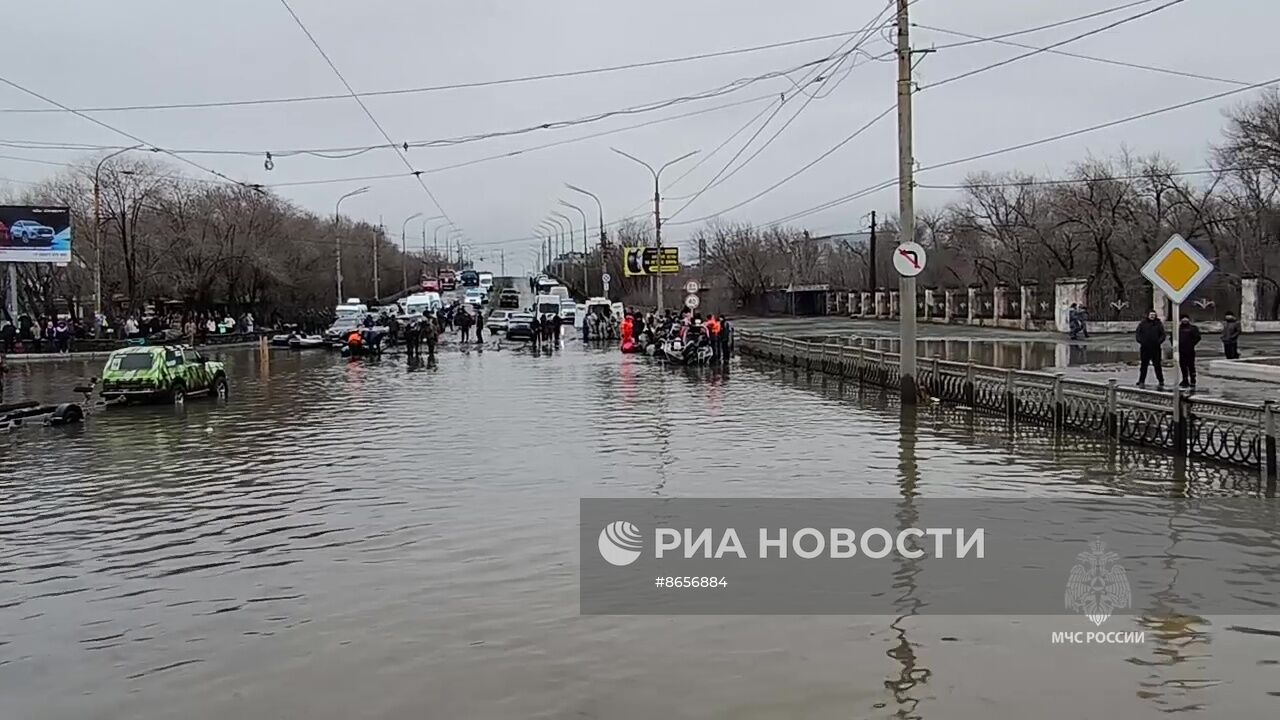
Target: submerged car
(31,234)
(519,326)
(162,372)
(509,299)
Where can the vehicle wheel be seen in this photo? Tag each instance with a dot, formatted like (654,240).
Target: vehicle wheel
(220,388)
(178,393)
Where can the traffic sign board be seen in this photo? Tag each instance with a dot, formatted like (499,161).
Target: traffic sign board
(640,261)
(692,287)
(1177,268)
(909,259)
(605,278)
(692,301)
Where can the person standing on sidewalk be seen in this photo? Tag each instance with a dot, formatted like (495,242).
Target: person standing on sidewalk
(1150,336)
(1188,338)
(1231,337)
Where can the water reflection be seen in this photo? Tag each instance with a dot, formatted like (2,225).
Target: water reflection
(905,577)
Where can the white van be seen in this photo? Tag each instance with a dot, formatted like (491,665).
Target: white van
(351,309)
(559,291)
(422,303)
(486,281)
(546,305)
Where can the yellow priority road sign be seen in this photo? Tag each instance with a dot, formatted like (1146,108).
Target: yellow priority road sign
(1177,269)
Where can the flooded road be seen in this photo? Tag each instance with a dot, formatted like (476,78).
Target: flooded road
(359,540)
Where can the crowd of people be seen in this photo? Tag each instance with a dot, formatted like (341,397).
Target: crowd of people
(642,331)
(32,335)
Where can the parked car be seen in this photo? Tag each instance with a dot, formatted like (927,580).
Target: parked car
(509,299)
(498,321)
(469,279)
(167,372)
(519,326)
(475,296)
(31,234)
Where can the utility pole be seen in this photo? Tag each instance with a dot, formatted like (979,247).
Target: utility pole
(502,258)
(906,208)
(337,235)
(871,268)
(377,237)
(657,213)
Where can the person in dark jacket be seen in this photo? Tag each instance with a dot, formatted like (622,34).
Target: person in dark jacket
(1150,336)
(535,332)
(1231,337)
(1188,338)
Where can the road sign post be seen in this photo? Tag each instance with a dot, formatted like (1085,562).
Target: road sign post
(908,260)
(1177,268)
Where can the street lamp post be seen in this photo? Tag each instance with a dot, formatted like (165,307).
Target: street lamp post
(337,236)
(97,239)
(435,243)
(657,209)
(585,292)
(404,253)
(569,224)
(600,208)
(556,220)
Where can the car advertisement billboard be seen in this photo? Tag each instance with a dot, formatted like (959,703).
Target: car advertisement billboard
(36,234)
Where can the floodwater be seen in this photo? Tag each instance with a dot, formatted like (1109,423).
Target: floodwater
(351,539)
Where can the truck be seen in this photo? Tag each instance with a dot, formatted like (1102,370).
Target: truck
(448,280)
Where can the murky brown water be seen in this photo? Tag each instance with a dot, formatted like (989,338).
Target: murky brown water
(355,540)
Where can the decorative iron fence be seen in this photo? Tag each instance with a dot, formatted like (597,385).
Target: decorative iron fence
(1235,433)
(1106,301)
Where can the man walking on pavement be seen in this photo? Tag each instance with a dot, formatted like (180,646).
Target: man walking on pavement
(1188,338)
(1231,337)
(1150,336)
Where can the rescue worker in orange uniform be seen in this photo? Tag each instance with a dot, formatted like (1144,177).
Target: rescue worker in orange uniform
(713,336)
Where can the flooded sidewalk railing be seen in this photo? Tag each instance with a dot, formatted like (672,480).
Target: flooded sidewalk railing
(1236,433)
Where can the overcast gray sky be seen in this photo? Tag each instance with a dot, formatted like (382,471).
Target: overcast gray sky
(91,53)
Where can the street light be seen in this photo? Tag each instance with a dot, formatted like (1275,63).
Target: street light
(404,255)
(657,209)
(337,237)
(584,244)
(569,224)
(435,243)
(557,219)
(97,238)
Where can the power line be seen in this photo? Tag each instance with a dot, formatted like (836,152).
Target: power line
(118,131)
(1050,26)
(1022,146)
(351,91)
(352,151)
(721,176)
(1034,182)
(883,114)
(1093,58)
(1050,48)
(945,81)
(451,86)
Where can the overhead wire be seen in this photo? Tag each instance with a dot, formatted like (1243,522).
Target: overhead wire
(1024,145)
(351,91)
(452,86)
(945,81)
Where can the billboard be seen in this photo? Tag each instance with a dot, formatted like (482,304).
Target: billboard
(640,261)
(36,234)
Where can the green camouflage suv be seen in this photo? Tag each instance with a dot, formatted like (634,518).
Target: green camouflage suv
(168,372)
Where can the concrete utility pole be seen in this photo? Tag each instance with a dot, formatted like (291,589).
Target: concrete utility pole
(906,208)
(600,207)
(871,246)
(657,211)
(377,239)
(337,237)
